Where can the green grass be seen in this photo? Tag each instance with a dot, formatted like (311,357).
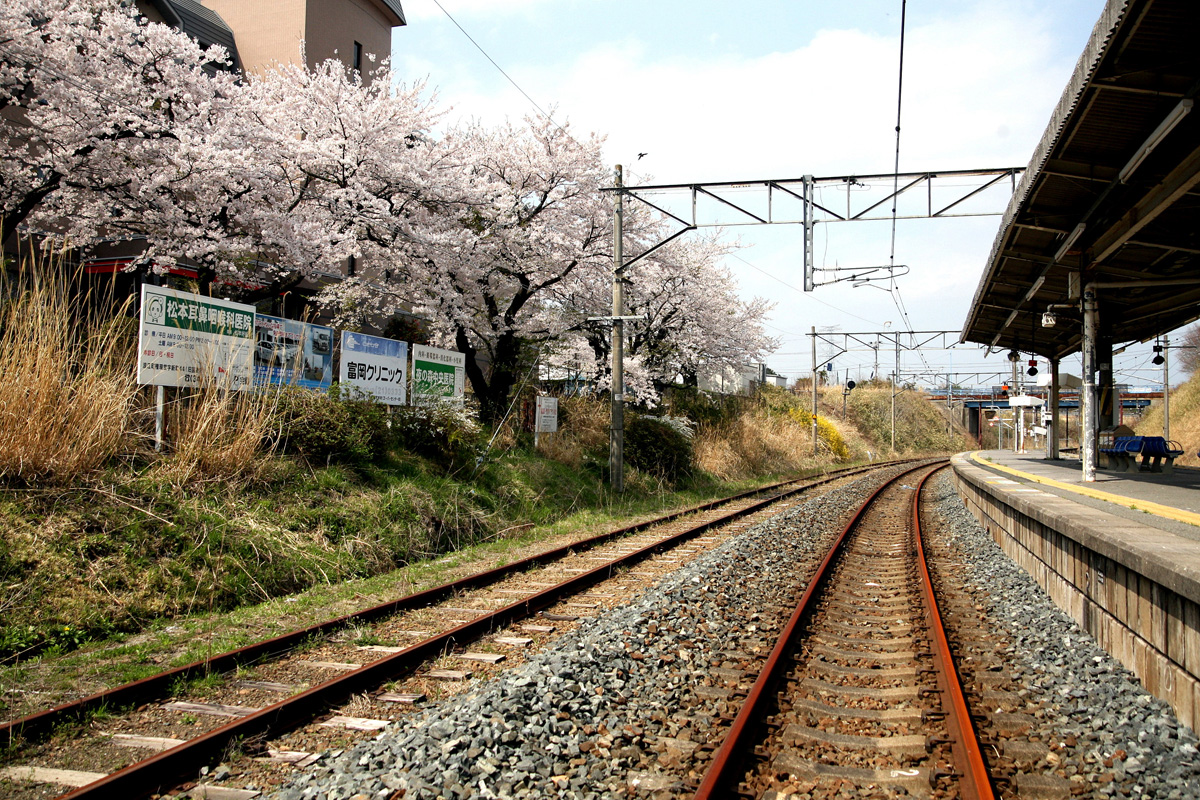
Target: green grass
(184,576)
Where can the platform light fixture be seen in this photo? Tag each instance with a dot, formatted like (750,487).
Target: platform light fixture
(1181,110)
(1072,237)
(1049,319)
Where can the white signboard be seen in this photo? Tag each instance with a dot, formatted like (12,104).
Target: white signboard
(1024,401)
(190,340)
(547,415)
(375,365)
(437,375)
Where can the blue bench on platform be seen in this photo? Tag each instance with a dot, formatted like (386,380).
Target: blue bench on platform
(1158,455)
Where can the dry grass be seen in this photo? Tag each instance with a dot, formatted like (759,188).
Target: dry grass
(1185,420)
(67,385)
(755,443)
(583,428)
(217,432)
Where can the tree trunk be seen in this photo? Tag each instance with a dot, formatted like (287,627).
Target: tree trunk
(492,394)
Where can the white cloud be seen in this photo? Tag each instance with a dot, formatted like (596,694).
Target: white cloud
(419,10)
(979,86)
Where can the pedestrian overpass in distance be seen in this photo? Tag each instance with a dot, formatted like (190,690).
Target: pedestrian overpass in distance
(1099,246)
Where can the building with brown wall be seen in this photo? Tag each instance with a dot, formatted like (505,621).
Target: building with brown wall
(270,32)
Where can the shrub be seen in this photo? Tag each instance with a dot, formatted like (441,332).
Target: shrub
(659,446)
(343,425)
(444,433)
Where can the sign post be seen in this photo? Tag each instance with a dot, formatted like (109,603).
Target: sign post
(437,375)
(190,340)
(546,417)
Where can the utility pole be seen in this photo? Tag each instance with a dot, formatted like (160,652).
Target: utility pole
(895,388)
(616,436)
(1166,354)
(814,388)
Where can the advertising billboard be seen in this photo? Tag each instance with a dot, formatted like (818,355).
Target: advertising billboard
(190,340)
(288,351)
(375,365)
(437,375)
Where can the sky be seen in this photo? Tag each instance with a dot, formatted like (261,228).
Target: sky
(777,89)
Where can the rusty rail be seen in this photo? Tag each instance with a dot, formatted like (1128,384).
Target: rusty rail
(179,763)
(728,757)
(974,781)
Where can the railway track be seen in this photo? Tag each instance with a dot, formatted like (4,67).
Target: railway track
(860,688)
(262,700)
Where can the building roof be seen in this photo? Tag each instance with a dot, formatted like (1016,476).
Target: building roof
(1111,192)
(202,24)
(394,7)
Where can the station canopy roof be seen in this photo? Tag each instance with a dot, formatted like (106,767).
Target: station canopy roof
(1110,193)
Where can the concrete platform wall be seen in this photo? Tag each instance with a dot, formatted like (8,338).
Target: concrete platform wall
(1146,618)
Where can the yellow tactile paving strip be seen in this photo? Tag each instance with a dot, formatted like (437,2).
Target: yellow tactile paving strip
(1177,514)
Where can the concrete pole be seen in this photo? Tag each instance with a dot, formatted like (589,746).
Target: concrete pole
(895,388)
(160,405)
(814,389)
(616,436)
(1014,390)
(1087,395)
(1166,354)
(1052,434)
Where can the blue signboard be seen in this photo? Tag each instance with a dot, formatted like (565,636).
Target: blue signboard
(376,366)
(287,351)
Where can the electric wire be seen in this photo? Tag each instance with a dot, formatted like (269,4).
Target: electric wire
(507,77)
(811,295)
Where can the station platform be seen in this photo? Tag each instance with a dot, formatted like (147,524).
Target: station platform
(1121,555)
(1169,502)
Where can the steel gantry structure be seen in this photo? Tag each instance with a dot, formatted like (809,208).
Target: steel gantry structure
(800,201)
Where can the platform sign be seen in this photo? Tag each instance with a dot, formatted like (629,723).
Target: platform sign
(437,375)
(546,418)
(375,365)
(190,340)
(291,352)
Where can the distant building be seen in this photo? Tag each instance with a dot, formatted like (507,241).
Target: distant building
(744,381)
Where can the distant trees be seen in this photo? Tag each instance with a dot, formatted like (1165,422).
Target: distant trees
(111,126)
(1187,357)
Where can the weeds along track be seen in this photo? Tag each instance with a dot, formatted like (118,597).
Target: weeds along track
(279,702)
(860,688)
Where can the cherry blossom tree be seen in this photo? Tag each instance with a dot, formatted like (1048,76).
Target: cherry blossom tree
(693,319)
(496,266)
(355,166)
(94,100)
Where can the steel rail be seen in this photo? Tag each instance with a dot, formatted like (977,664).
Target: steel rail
(975,783)
(42,723)
(729,755)
(168,768)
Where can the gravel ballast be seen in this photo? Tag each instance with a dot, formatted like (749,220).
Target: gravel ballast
(1123,741)
(624,706)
